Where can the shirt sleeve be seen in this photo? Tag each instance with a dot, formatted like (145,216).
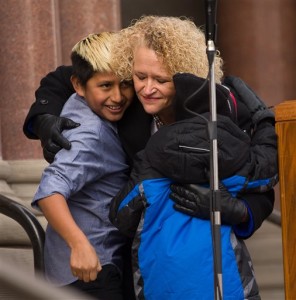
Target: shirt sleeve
(85,162)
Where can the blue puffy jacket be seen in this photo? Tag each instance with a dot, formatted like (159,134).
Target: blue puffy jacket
(172,252)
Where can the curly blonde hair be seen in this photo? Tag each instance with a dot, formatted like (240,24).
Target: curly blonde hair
(178,43)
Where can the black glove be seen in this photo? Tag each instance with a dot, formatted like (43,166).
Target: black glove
(194,200)
(48,128)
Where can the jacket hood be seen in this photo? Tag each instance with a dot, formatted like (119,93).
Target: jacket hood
(192,97)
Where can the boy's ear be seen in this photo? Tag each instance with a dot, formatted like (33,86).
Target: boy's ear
(79,89)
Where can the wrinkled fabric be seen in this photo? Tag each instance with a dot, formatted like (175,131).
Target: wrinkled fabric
(88,176)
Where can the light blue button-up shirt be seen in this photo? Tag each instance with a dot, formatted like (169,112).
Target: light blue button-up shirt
(88,176)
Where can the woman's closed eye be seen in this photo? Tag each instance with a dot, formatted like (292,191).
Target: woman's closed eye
(162,81)
(141,76)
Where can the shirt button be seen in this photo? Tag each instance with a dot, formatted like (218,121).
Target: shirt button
(43,101)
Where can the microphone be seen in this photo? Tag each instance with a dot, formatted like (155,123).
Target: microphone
(211,26)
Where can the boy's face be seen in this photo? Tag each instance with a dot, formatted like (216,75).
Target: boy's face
(107,96)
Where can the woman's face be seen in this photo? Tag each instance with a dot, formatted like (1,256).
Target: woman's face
(153,85)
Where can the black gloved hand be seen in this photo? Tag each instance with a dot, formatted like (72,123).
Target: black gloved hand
(48,128)
(194,200)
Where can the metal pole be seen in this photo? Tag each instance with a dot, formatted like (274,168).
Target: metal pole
(210,6)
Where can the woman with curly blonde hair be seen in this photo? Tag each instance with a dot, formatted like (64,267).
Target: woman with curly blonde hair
(172,252)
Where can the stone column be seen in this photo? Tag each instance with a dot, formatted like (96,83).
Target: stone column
(78,18)
(29,49)
(257,41)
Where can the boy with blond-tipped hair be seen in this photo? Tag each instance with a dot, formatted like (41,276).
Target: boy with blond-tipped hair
(82,248)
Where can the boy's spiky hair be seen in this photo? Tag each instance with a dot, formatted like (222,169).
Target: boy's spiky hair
(92,54)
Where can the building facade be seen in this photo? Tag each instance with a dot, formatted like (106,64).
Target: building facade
(256,39)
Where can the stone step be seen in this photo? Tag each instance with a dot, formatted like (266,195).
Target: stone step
(265,247)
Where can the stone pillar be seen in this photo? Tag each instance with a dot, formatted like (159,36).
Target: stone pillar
(78,18)
(257,41)
(29,49)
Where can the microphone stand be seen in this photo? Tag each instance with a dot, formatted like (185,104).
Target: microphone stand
(215,205)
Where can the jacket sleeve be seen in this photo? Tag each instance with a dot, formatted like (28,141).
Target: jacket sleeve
(260,206)
(54,90)
(263,151)
(255,118)
(260,172)
(126,209)
(127,206)
(259,122)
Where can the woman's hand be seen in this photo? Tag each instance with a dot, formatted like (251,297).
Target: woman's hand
(49,130)
(195,200)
